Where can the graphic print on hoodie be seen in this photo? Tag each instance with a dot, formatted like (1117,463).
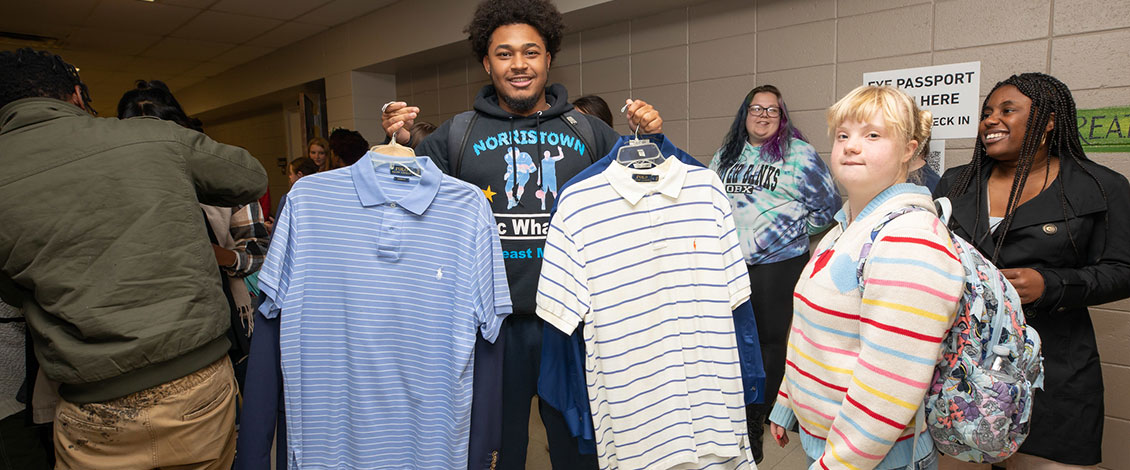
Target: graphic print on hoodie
(518,162)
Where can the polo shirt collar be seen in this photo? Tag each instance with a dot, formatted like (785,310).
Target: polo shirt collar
(416,201)
(672,173)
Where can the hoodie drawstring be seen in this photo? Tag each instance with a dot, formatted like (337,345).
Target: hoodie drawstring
(537,157)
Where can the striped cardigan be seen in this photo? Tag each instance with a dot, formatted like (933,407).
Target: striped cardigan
(860,360)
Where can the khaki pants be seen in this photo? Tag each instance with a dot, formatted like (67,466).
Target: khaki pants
(188,423)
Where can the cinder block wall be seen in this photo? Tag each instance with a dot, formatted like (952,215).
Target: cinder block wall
(696,63)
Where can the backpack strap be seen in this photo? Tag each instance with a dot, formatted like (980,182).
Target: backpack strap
(945,209)
(457,136)
(874,236)
(583,129)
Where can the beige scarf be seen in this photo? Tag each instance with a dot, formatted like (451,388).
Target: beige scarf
(220,220)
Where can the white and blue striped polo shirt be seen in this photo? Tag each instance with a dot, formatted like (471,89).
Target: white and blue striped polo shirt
(649,261)
(383,280)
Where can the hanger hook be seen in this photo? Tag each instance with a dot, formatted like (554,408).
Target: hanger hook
(623,110)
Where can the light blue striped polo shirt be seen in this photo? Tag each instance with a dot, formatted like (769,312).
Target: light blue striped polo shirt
(382,280)
(649,260)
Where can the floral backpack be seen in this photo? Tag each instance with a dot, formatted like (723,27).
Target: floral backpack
(979,404)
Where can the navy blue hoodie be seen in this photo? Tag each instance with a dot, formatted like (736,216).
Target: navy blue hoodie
(520,162)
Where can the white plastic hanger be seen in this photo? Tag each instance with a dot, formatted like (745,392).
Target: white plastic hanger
(395,155)
(639,153)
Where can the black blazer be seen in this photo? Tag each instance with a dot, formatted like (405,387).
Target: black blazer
(1067,416)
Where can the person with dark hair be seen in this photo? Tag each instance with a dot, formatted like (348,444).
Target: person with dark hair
(153,98)
(501,147)
(54,78)
(1056,223)
(300,167)
(114,273)
(419,131)
(594,106)
(782,193)
(240,236)
(348,146)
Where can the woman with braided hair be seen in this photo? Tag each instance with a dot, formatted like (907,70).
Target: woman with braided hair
(1050,218)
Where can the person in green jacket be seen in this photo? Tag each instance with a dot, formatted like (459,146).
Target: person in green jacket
(103,248)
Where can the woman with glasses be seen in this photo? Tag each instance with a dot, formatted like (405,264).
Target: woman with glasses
(782,193)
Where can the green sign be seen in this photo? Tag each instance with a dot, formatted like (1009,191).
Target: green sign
(1105,129)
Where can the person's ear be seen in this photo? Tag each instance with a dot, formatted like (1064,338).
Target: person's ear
(1051,122)
(548,60)
(486,64)
(911,151)
(76,98)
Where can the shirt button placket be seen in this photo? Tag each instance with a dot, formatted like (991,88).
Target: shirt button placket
(388,244)
(395,234)
(656,216)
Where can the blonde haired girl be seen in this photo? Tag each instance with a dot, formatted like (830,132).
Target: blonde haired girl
(871,310)
(318,149)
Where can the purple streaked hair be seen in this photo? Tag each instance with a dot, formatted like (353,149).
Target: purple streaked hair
(775,148)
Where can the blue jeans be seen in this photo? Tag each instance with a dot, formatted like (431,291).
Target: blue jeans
(929,462)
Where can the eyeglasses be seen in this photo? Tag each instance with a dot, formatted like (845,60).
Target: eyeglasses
(771,111)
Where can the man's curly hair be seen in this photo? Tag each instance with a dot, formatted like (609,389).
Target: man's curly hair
(542,15)
(27,73)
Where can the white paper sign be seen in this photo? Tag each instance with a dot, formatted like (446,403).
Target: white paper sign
(951,92)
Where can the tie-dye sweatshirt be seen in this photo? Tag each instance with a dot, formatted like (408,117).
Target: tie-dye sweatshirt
(859,360)
(778,204)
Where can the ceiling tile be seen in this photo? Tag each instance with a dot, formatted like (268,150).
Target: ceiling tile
(62,12)
(182,82)
(86,60)
(198,4)
(340,11)
(16,24)
(157,69)
(277,9)
(209,69)
(286,34)
(138,17)
(111,42)
(225,27)
(187,49)
(241,54)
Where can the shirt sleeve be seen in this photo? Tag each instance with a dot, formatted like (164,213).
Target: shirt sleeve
(1106,275)
(912,281)
(249,231)
(737,274)
(491,289)
(224,175)
(818,192)
(563,294)
(434,146)
(275,275)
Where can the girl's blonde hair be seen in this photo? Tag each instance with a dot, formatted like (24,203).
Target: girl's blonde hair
(331,161)
(898,110)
